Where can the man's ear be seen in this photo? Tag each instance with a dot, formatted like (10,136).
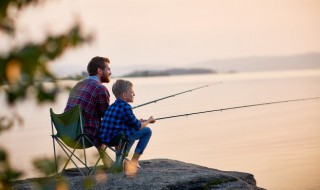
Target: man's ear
(99,71)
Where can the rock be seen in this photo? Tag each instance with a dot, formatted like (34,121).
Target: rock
(155,174)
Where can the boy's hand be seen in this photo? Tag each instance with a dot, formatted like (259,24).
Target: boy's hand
(151,120)
(146,122)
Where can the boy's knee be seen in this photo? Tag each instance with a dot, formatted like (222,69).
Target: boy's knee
(148,131)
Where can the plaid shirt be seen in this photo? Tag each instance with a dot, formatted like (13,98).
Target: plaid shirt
(93,98)
(118,118)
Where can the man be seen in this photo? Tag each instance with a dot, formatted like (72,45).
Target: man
(92,96)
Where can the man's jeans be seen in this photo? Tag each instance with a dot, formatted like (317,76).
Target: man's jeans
(143,136)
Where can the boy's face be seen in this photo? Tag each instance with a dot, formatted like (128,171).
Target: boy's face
(129,95)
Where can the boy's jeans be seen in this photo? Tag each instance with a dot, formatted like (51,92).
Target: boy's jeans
(143,136)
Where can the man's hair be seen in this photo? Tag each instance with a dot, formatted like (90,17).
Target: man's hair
(95,63)
(121,86)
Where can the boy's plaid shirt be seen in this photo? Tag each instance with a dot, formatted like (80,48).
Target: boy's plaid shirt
(118,118)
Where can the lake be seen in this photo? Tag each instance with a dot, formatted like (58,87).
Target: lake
(279,144)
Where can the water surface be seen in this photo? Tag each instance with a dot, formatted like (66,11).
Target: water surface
(279,144)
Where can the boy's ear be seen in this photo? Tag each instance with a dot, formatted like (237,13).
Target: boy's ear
(124,95)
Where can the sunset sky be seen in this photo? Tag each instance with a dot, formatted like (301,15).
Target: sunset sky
(147,34)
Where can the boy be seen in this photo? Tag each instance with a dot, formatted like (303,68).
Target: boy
(120,118)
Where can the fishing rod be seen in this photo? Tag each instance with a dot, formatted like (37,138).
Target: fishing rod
(173,95)
(237,107)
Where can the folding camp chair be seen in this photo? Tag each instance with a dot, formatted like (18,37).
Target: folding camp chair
(70,137)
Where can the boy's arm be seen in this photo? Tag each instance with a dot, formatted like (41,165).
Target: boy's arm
(144,123)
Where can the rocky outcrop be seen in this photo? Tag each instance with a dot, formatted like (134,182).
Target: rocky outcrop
(155,174)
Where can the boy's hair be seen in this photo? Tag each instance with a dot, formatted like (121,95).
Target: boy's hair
(121,86)
(95,63)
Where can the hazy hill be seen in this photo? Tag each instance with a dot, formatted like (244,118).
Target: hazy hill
(167,72)
(268,63)
(241,64)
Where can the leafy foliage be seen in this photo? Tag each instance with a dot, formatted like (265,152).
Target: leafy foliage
(7,173)
(6,20)
(24,71)
(46,166)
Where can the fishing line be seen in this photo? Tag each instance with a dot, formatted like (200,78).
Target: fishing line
(237,107)
(173,95)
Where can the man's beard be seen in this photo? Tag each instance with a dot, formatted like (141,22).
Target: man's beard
(105,79)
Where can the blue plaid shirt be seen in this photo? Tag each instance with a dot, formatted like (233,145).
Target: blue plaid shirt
(118,118)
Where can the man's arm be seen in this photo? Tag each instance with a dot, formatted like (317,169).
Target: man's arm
(103,100)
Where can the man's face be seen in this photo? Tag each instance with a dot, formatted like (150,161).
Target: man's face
(106,73)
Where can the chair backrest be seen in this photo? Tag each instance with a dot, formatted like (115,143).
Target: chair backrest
(69,125)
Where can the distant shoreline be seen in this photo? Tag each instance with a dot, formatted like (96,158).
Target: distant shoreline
(303,61)
(168,72)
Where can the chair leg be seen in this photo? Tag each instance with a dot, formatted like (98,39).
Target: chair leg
(84,153)
(120,156)
(107,161)
(102,155)
(55,155)
(70,158)
(72,153)
(101,152)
